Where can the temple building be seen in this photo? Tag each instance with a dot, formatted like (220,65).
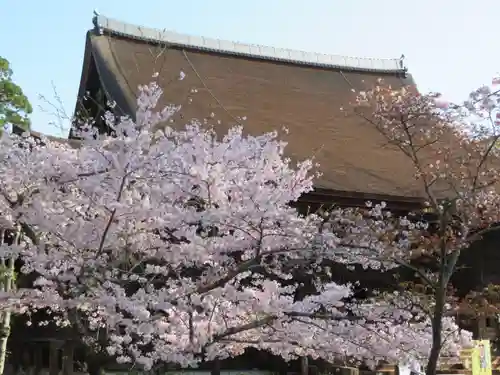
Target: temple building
(264,89)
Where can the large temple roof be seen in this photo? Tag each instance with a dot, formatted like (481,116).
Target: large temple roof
(271,88)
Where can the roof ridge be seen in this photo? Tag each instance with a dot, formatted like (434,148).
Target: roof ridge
(104,24)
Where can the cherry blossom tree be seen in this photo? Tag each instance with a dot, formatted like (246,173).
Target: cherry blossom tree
(453,150)
(179,246)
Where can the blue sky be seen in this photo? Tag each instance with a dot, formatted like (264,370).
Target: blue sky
(451,46)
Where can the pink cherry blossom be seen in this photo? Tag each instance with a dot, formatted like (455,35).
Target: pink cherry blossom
(453,153)
(182,246)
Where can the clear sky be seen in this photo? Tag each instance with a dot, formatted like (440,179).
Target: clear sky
(451,46)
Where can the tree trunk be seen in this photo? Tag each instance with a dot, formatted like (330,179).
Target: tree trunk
(437,325)
(4,336)
(7,280)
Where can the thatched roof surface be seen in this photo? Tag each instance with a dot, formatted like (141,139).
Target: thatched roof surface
(272,88)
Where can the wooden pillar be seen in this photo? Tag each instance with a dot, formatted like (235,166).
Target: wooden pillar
(304,366)
(16,359)
(25,358)
(93,366)
(215,367)
(38,358)
(346,370)
(68,358)
(54,358)
(481,326)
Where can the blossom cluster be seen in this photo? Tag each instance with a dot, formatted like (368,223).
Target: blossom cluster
(182,246)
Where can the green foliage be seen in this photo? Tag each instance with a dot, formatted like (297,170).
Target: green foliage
(14,105)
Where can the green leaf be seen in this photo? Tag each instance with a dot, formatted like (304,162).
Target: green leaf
(15,107)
